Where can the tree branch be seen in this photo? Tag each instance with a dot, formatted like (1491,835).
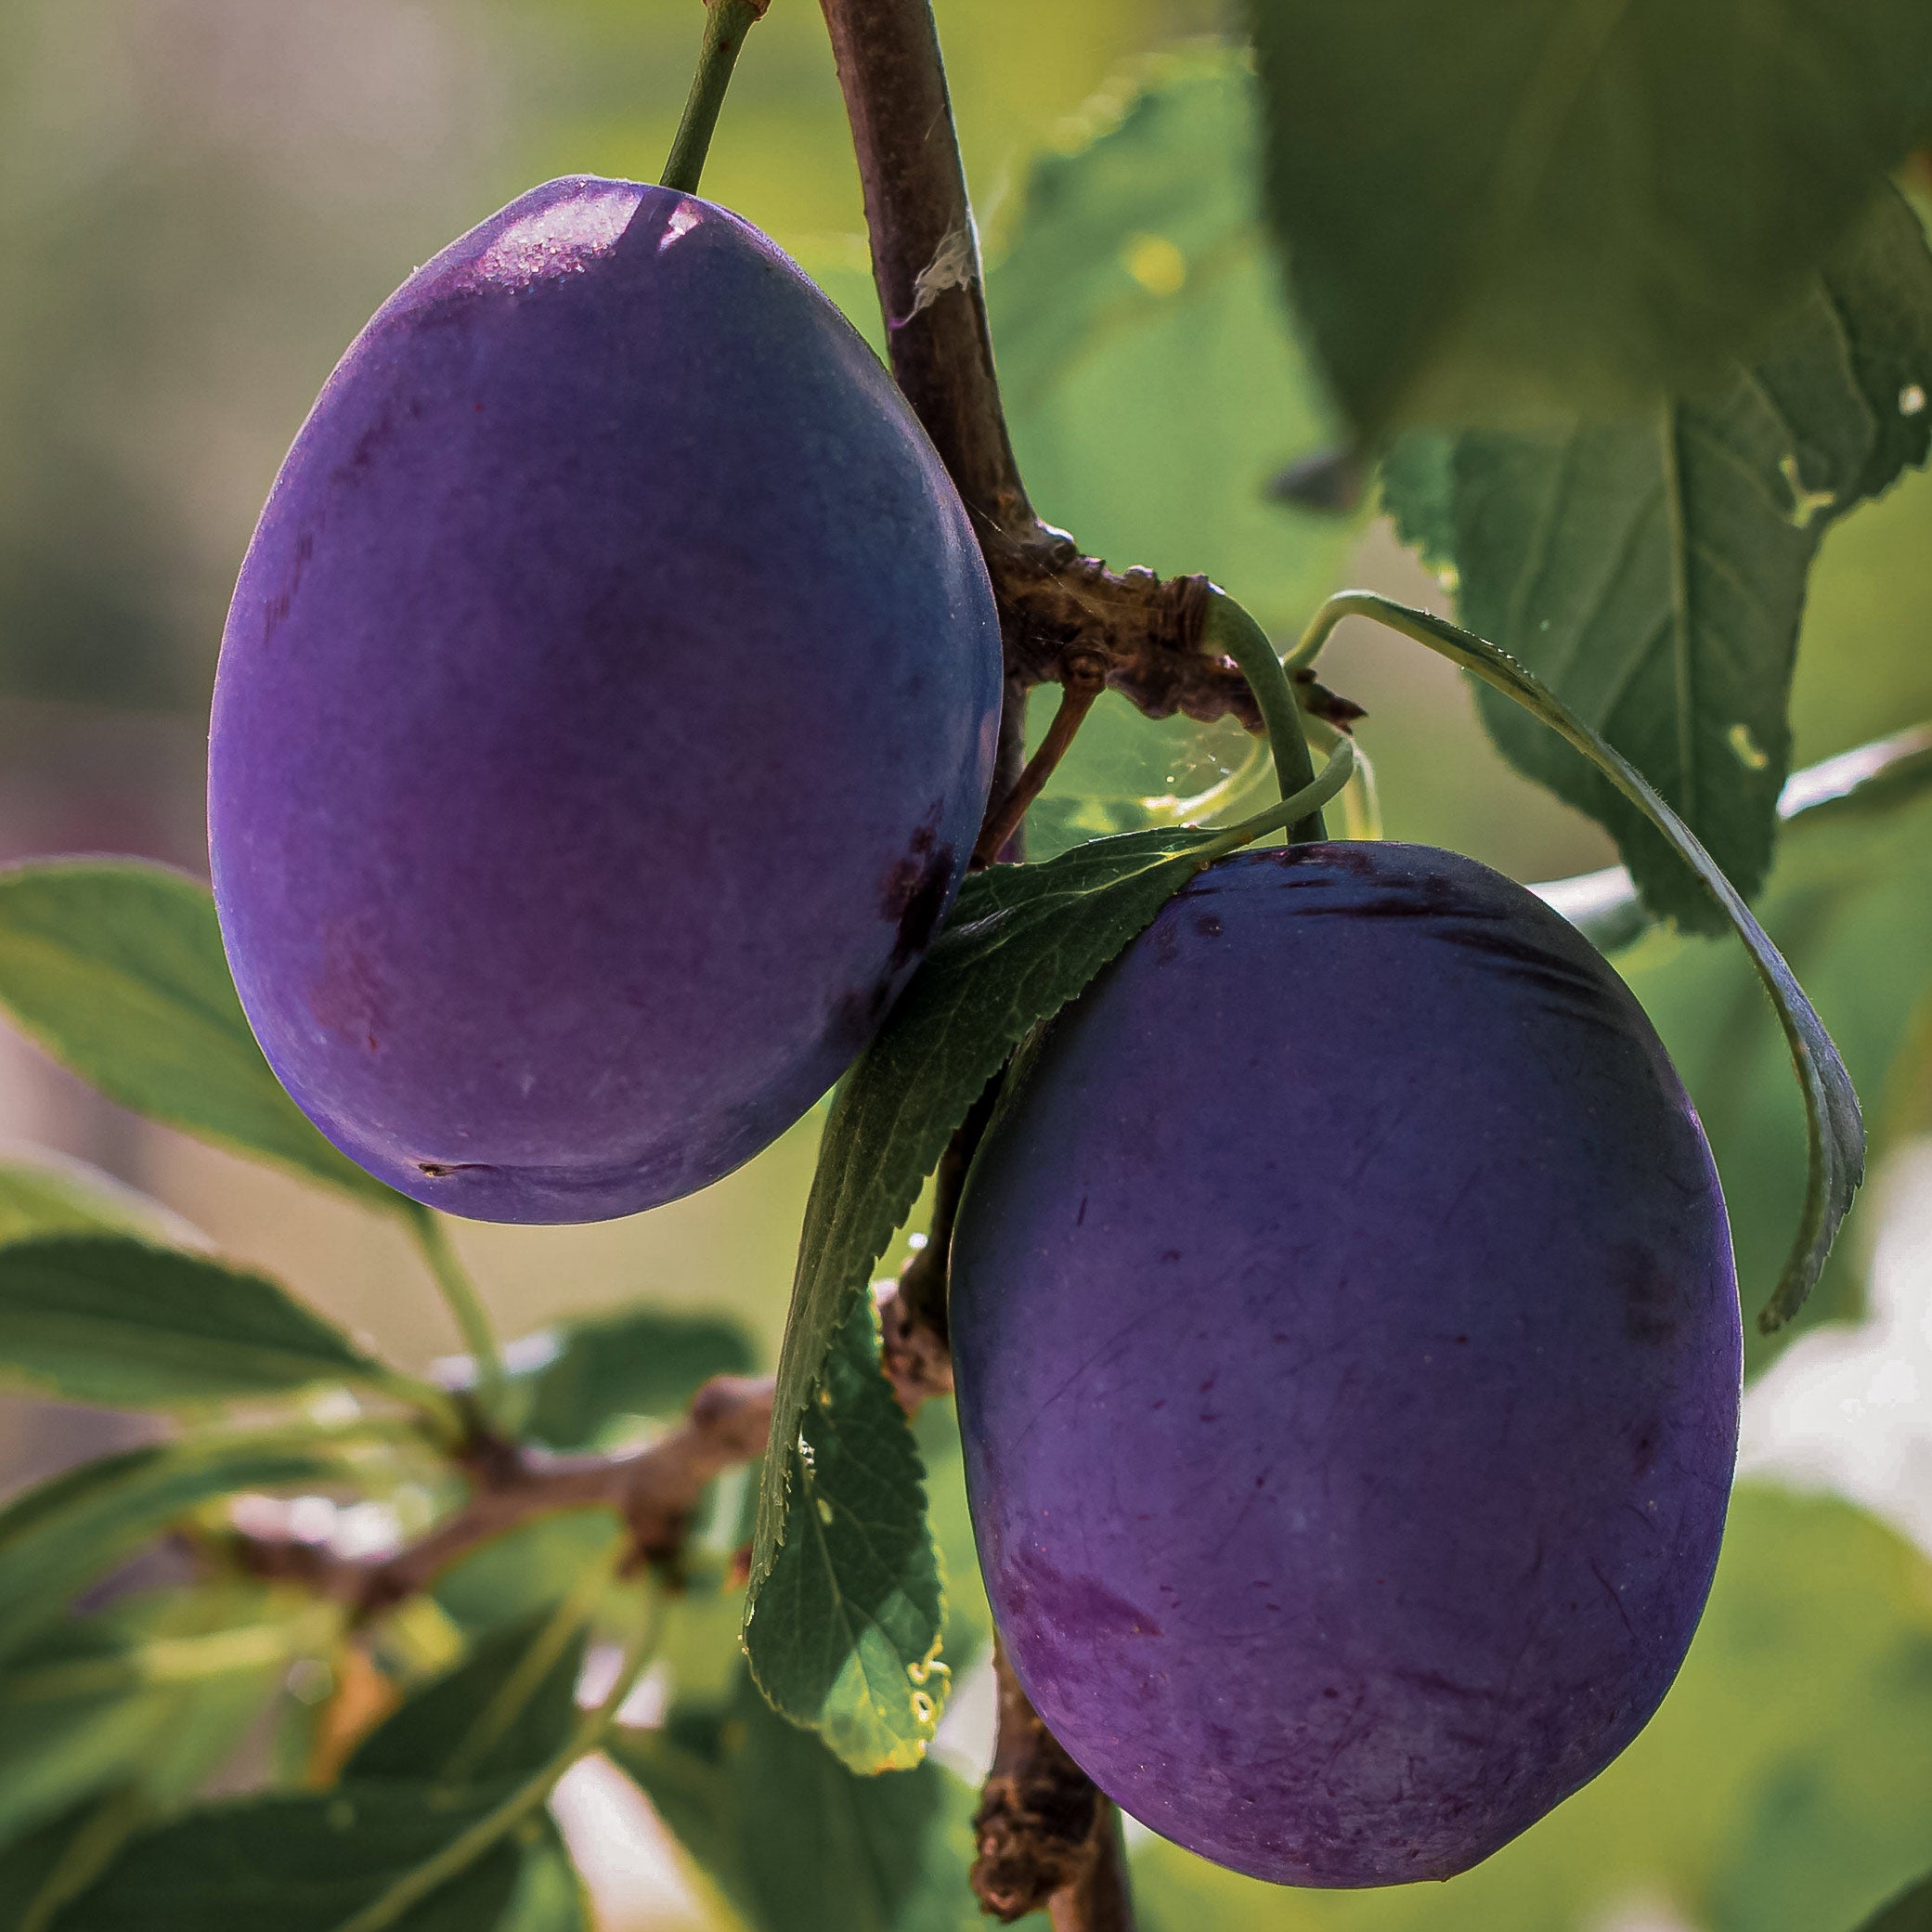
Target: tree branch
(654,1491)
(1046,1838)
(1056,606)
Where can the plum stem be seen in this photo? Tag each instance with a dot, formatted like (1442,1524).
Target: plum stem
(727,22)
(465,1306)
(1229,627)
(1083,684)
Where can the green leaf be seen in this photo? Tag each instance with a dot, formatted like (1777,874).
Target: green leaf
(105,1319)
(151,1694)
(1911,1912)
(1835,1129)
(845,1630)
(1652,574)
(550,1894)
(60,1861)
(851,1654)
(1151,377)
(513,1577)
(501,1714)
(1535,207)
(116,968)
(1849,905)
(296,1865)
(796,1841)
(573,1381)
(48,1194)
(56,1540)
(1811,1672)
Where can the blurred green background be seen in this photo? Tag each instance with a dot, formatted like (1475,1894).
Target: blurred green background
(202,201)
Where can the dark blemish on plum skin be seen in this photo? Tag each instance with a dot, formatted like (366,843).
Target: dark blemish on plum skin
(278,606)
(348,995)
(1208,925)
(916,890)
(1653,1306)
(439,1170)
(1072,1603)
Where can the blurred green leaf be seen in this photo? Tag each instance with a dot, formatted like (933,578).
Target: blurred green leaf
(796,1841)
(296,1865)
(1152,380)
(1814,1658)
(1653,573)
(152,1693)
(850,1654)
(48,1194)
(501,1714)
(116,968)
(105,1319)
(58,1861)
(57,1538)
(515,1576)
(594,1370)
(1850,907)
(1910,1913)
(1535,208)
(550,1894)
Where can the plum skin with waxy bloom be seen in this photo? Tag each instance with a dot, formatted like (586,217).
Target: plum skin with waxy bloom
(1348,1356)
(604,714)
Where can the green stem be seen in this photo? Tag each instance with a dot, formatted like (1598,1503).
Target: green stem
(465,1305)
(1229,629)
(726,24)
(1294,810)
(467,1847)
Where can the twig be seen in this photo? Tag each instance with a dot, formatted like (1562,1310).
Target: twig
(1056,606)
(1098,1900)
(654,1489)
(1084,680)
(1046,1836)
(726,24)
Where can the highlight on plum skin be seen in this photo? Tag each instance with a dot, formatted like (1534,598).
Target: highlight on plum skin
(1348,1356)
(605,715)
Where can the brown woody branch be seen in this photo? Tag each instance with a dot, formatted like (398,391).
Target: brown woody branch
(1056,606)
(655,1490)
(1046,1839)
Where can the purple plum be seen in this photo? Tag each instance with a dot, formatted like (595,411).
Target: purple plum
(1348,1359)
(605,715)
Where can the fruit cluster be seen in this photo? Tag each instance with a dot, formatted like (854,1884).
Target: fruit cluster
(1342,1310)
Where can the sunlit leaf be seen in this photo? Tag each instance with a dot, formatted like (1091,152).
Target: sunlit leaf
(116,968)
(57,1538)
(119,1322)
